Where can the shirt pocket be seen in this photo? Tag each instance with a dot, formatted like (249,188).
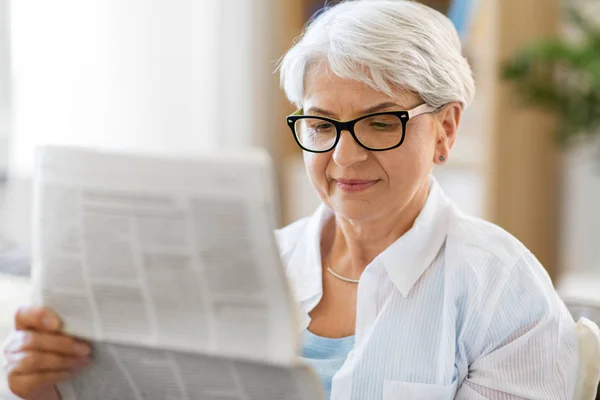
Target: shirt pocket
(397,390)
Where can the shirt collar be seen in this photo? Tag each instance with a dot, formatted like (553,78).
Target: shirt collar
(409,256)
(404,261)
(304,266)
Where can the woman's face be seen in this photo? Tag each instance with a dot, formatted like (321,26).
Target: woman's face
(362,185)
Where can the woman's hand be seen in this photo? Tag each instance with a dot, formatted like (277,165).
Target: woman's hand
(38,355)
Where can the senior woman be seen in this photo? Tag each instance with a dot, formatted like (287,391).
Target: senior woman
(405,297)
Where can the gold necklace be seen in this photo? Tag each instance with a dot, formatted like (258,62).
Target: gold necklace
(340,277)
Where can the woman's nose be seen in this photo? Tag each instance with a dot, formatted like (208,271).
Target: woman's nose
(348,151)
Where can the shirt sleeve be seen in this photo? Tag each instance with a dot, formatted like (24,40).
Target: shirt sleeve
(530,349)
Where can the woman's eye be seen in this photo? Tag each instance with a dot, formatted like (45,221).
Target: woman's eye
(382,125)
(323,127)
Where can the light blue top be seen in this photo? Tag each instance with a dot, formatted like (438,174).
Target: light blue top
(325,355)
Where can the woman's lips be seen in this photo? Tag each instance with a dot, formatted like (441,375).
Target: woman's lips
(354,185)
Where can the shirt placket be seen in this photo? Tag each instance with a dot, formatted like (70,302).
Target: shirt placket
(366,314)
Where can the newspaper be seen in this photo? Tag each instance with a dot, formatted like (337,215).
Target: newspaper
(170,268)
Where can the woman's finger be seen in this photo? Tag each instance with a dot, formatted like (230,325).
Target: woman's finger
(31,362)
(22,385)
(37,318)
(46,342)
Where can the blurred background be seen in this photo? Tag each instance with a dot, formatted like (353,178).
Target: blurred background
(186,76)
(183,77)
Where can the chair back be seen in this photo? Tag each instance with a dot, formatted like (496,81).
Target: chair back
(589,360)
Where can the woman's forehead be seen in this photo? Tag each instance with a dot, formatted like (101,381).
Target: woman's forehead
(353,99)
(326,90)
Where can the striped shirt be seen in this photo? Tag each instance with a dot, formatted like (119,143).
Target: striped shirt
(455,308)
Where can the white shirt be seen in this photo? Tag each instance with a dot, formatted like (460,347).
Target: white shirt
(455,308)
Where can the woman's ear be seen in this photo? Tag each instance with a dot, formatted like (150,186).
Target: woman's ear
(449,121)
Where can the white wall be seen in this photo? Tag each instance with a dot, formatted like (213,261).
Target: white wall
(581,210)
(157,76)
(127,74)
(4,85)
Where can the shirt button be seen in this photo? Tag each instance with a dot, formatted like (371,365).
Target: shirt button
(350,355)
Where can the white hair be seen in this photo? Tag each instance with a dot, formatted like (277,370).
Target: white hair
(384,44)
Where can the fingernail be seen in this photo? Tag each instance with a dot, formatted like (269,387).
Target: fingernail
(82,349)
(50,322)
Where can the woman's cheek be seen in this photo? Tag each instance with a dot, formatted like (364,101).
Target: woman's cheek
(316,167)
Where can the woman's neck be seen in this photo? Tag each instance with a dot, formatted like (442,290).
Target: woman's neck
(356,243)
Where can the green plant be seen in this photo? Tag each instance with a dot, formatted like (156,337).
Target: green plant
(563,77)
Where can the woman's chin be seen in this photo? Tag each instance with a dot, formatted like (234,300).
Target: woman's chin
(356,210)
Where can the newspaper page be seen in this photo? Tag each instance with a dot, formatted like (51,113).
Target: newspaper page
(130,372)
(167,265)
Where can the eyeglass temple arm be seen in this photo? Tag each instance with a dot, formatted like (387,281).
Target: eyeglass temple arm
(422,109)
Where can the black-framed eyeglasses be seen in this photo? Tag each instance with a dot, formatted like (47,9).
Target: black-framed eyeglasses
(375,132)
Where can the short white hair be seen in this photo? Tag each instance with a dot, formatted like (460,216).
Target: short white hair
(384,44)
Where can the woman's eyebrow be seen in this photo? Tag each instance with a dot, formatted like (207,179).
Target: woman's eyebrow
(381,107)
(370,110)
(319,111)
